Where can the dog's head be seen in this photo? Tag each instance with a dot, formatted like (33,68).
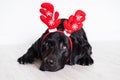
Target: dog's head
(55,50)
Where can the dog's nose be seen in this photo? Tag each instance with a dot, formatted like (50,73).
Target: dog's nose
(50,62)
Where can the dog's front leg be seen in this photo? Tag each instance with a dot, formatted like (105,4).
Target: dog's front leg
(28,57)
(86,51)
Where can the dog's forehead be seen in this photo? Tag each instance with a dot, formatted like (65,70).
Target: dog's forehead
(56,37)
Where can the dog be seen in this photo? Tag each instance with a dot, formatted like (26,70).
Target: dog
(55,49)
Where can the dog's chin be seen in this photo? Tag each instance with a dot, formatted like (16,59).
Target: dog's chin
(51,69)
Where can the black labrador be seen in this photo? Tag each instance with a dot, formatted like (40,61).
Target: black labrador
(54,51)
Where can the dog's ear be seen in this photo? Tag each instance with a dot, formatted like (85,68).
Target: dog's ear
(79,41)
(38,43)
(75,54)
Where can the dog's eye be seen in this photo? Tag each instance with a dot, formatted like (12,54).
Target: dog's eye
(45,46)
(62,46)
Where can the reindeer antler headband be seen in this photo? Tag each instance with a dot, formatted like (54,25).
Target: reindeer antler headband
(74,23)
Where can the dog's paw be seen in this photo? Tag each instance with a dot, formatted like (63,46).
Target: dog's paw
(23,60)
(87,60)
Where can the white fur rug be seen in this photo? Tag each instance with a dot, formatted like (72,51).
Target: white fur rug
(106,65)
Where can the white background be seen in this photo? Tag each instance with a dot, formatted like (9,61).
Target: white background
(20,26)
(20,23)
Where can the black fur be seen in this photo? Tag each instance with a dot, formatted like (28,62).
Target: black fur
(55,49)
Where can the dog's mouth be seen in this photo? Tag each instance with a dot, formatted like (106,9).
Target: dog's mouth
(51,64)
(50,67)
